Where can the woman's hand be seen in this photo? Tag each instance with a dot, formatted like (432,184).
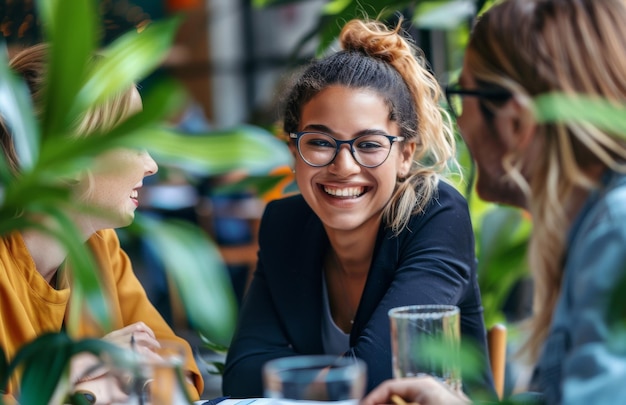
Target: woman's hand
(418,390)
(137,336)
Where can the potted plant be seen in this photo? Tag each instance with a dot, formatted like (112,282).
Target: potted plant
(48,152)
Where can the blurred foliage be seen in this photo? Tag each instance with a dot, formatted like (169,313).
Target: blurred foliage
(50,152)
(45,359)
(423,14)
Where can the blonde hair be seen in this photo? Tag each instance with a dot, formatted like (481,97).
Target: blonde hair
(31,64)
(532,47)
(383,60)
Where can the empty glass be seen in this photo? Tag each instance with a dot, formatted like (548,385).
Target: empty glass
(155,378)
(315,378)
(425,340)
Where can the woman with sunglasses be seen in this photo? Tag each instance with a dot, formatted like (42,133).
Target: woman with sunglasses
(374,226)
(570,175)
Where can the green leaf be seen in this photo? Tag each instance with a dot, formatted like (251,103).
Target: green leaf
(270,3)
(195,265)
(87,287)
(575,108)
(44,360)
(338,13)
(17,113)
(444,15)
(134,132)
(70,49)
(216,347)
(336,6)
(127,60)
(502,237)
(4,369)
(244,148)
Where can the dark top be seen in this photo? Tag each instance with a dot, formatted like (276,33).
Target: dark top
(431,262)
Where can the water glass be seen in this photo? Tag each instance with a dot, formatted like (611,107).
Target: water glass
(425,340)
(155,378)
(315,378)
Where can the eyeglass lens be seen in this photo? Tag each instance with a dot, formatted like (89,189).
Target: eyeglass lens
(319,149)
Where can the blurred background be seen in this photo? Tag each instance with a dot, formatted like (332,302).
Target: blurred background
(233,58)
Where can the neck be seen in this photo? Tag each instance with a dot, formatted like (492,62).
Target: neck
(46,251)
(345,281)
(352,251)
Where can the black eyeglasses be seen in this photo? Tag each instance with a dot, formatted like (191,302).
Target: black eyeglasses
(454,96)
(319,149)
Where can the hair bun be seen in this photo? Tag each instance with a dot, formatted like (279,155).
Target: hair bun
(374,39)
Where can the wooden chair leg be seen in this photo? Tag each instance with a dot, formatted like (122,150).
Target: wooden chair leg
(496,340)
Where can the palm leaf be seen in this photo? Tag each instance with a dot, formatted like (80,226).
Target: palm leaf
(70,29)
(195,265)
(127,60)
(133,132)
(255,151)
(576,108)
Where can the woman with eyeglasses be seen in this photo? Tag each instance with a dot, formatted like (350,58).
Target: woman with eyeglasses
(570,175)
(374,226)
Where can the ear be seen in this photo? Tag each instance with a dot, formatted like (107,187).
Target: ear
(406,158)
(515,123)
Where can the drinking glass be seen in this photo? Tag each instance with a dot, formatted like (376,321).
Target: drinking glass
(425,340)
(315,378)
(155,378)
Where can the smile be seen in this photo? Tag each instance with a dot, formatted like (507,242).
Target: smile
(345,192)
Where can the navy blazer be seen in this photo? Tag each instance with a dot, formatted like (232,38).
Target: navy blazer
(431,262)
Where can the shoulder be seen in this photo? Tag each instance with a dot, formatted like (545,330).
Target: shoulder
(595,252)
(104,237)
(445,220)
(291,210)
(13,252)
(605,210)
(447,205)
(614,201)
(447,194)
(105,240)
(287,220)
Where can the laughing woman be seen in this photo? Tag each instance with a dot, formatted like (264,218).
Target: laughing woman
(373,228)
(34,274)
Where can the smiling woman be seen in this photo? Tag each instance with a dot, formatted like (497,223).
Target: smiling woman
(374,226)
(35,276)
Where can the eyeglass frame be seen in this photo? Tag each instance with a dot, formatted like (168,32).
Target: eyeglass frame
(338,142)
(497,95)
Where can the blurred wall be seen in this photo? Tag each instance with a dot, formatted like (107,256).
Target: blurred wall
(250,50)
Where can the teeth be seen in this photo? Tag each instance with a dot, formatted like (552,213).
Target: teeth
(345,192)
(134,194)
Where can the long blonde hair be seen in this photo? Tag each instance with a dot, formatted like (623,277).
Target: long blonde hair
(384,60)
(532,47)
